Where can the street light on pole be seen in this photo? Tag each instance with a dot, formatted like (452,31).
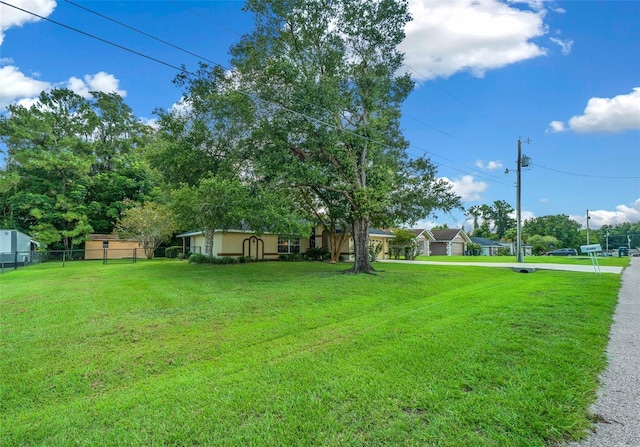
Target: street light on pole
(588,226)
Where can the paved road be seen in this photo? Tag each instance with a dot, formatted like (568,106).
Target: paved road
(617,409)
(537,266)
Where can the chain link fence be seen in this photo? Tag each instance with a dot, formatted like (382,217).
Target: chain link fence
(12,261)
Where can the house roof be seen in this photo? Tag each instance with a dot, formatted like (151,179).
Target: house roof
(104,237)
(372,232)
(449,234)
(379,232)
(108,237)
(422,232)
(483,241)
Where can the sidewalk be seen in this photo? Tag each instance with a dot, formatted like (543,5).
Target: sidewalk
(617,410)
(536,266)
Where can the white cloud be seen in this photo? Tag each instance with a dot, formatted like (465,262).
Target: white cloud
(622,214)
(490,166)
(467,188)
(15,85)
(524,215)
(18,88)
(616,114)
(449,36)
(565,45)
(426,224)
(556,126)
(102,82)
(12,17)
(151,122)
(6,60)
(182,107)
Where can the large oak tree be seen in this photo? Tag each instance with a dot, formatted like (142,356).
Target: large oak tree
(318,87)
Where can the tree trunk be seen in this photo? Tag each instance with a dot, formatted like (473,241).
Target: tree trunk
(208,243)
(360,234)
(336,241)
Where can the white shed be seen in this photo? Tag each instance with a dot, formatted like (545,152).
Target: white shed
(15,247)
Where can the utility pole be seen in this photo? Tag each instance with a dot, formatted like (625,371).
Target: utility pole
(588,226)
(522,162)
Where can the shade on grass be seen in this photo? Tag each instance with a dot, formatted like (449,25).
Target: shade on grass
(166,353)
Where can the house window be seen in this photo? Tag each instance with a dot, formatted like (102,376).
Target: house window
(288,244)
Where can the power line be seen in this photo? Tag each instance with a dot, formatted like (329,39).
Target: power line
(436,85)
(301,100)
(94,37)
(193,11)
(141,32)
(588,175)
(252,96)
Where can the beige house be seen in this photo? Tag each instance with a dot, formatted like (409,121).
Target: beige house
(244,243)
(110,246)
(271,246)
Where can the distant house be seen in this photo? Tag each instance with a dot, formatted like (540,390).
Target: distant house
(527,250)
(424,239)
(16,248)
(110,246)
(488,247)
(449,242)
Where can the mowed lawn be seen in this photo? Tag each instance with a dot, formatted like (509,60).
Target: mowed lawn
(163,353)
(574,260)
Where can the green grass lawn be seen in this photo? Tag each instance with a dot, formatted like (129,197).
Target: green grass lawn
(163,353)
(578,260)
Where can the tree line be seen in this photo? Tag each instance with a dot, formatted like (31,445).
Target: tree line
(547,232)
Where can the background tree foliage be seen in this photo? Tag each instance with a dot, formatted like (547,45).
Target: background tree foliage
(561,227)
(71,164)
(492,221)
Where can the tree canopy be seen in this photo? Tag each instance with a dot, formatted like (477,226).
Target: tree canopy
(316,91)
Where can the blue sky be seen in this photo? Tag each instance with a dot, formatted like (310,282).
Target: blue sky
(563,74)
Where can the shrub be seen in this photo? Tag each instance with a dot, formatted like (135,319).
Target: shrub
(404,243)
(474,249)
(375,248)
(317,253)
(172,252)
(292,257)
(504,252)
(197,258)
